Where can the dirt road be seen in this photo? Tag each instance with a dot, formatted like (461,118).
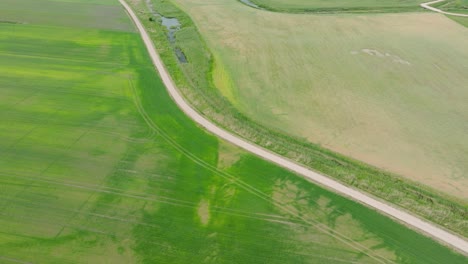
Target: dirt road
(428,6)
(404,217)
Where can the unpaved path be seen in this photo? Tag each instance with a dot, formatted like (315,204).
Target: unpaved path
(423,226)
(428,6)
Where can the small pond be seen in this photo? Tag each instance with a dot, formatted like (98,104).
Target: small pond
(172,25)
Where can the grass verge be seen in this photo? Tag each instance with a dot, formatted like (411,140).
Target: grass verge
(333,7)
(460,20)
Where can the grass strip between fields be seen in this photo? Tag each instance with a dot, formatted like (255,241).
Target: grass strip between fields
(320,7)
(453,6)
(195,81)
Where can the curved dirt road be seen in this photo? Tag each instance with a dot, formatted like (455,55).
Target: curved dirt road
(428,6)
(410,220)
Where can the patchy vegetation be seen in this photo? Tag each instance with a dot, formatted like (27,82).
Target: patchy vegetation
(339,6)
(453,6)
(98,165)
(199,89)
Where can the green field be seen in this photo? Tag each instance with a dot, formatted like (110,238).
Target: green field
(356,6)
(98,165)
(350,83)
(197,80)
(338,5)
(461,20)
(454,6)
(71,13)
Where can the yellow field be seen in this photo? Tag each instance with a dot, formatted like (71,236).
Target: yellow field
(387,89)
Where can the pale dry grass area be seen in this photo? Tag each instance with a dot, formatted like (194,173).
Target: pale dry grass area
(340,224)
(228,155)
(387,89)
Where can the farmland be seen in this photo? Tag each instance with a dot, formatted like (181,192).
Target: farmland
(344,82)
(203,80)
(97,164)
(71,13)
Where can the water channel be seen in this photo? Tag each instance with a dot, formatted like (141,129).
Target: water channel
(172,25)
(251,4)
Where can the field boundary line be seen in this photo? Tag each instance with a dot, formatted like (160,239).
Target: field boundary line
(428,6)
(415,222)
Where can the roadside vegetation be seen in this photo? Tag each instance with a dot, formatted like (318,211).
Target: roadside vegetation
(339,6)
(71,13)
(453,6)
(98,165)
(195,79)
(460,20)
(356,6)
